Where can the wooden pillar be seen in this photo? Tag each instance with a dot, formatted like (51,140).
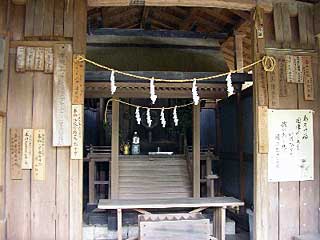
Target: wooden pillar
(91,181)
(238,43)
(115,151)
(101,118)
(219,223)
(196,150)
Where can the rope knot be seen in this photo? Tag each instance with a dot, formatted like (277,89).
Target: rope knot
(269,63)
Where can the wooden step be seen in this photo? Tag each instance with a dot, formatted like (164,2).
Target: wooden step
(154,189)
(171,178)
(153,168)
(154,196)
(133,184)
(153,163)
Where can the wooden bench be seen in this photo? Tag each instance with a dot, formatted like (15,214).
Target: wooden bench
(219,204)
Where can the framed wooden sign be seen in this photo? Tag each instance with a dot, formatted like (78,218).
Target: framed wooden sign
(39,59)
(62,90)
(30,58)
(308,78)
(77,132)
(27,149)
(39,153)
(15,153)
(48,60)
(78,81)
(21,59)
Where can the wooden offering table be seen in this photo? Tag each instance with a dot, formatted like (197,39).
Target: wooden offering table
(219,204)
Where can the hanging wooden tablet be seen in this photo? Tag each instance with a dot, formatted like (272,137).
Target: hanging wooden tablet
(290,62)
(21,59)
(298,69)
(308,78)
(77,132)
(78,81)
(283,92)
(48,60)
(39,59)
(15,153)
(62,91)
(263,144)
(30,58)
(262,86)
(27,149)
(273,88)
(39,153)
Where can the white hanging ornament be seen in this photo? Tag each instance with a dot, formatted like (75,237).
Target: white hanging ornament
(153,95)
(149,120)
(195,95)
(112,82)
(175,116)
(230,88)
(162,118)
(138,118)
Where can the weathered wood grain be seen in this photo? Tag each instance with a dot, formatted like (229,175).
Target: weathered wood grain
(80,27)
(115,151)
(58,18)
(49,18)
(263,129)
(29,18)
(68,18)
(39,18)
(196,150)
(62,90)
(274,87)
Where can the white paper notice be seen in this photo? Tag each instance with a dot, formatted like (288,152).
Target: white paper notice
(291,154)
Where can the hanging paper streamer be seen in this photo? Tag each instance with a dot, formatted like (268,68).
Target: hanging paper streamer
(112,82)
(153,95)
(149,120)
(195,95)
(175,116)
(138,118)
(162,118)
(230,88)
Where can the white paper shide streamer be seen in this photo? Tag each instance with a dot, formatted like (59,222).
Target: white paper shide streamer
(175,116)
(153,95)
(138,118)
(162,118)
(149,120)
(195,95)
(113,84)
(230,88)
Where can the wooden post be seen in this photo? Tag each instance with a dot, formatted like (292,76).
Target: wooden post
(119,222)
(115,151)
(219,223)
(91,181)
(238,43)
(208,173)
(196,150)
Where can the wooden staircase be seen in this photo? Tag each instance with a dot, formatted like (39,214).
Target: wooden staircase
(146,177)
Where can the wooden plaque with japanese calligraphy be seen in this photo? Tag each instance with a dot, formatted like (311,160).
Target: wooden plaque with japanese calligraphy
(27,149)
(15,153)
(262,86)
(30,58)
(39,151)
(21,59)
(283,92)
(291,146)
(39,59)
(263,129)
(62,90)
(274,88)
(290,62)
(77,132)
(308,78)
(298,69)
(78,81)
(48,60)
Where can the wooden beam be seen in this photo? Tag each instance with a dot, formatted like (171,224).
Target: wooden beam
(115,151)
(238,43)
(231,4)
(196,151)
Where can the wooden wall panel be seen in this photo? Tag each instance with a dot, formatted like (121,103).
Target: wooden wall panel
(3,16)
(18,191)
(80,27)
(42,194)
(48,20)
(16,24)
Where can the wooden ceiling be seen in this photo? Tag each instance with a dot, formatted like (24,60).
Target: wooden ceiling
(222,22)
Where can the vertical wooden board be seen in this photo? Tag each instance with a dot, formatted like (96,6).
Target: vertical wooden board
(273,227)
(39,153)
(48,60)
(3,15)
(278,22)
(2,167)
(76,199)
(263,145)
(286,23)
(274,87)
(302,20)
(283,91)
(43,192)
(196,150)
(310,27)
(68,19)
(39,16)
(290,64)
(27,149)
(39,59)
(115,151)
(4,78)
(308,78)
(30,58)
(17,23)
(29,17)
(77,132)
(58,18)
(262,86)
(21,59)
(62,193)
(62,91)
(48,20)
(78,81)
(19,115)
(15,153)
(80,27)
